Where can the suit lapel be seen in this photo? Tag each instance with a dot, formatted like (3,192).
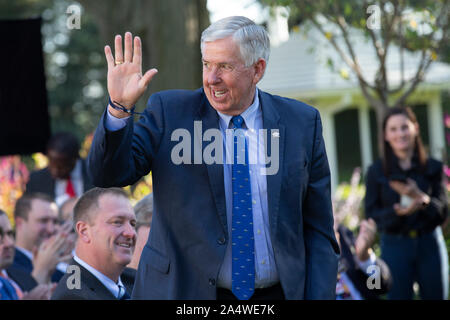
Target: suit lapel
(93,284)
(210,120)
(271,122)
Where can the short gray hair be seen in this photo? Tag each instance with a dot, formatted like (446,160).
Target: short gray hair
(251,38)
(144,211)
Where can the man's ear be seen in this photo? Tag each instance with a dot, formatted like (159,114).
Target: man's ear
(83,229)
(260,68)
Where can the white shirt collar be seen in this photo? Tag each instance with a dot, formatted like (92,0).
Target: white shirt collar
(76,172)
(107,282)
(76,176)
(249,114)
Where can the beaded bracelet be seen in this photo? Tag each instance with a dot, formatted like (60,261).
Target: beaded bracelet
(122,108)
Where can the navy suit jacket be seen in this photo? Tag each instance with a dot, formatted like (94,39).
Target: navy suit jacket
(185,249)
(22,262)
(23,279)
(90,287)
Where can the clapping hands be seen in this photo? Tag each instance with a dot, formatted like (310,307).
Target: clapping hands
(365,239)
(409,189)
(55,249)
(40,292)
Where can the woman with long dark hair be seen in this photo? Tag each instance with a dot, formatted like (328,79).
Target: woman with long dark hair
(405,195)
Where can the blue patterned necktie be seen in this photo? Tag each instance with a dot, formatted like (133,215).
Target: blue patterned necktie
(243,251)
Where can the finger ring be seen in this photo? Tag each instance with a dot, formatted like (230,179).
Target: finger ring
(118,62)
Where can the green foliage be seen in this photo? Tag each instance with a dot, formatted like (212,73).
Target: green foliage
(75,65)
(410,22)
(73,61)
(22,9)
(78,74)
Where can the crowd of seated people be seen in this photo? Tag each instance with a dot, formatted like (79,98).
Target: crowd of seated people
(60,223)
(99,238)
(65,228)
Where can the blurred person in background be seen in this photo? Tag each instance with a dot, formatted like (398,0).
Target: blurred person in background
(406,196)
(65,210)
(144,212)
(66,175)
(16,284)
(40,242)
(65,216)
(361,274)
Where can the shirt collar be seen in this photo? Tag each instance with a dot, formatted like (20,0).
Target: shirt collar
(249,114)
(107,282)
(76,172)
(27,253)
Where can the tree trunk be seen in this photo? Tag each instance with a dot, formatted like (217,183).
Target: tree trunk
(170,31)
(380,112)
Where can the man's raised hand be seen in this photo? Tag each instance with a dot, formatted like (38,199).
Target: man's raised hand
(126,84)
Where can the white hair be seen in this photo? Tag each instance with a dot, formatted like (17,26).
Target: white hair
(251,38)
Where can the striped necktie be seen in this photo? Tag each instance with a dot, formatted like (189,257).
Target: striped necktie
(243,252)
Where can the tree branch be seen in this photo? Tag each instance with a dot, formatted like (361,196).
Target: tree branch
(353,62)
(402,57)
(382,103)
(423,66)
(426,60)
(362,82)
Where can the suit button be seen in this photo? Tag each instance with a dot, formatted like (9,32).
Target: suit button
(221,240)
(212,282)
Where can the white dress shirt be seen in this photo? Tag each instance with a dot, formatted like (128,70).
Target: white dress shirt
(76,176)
